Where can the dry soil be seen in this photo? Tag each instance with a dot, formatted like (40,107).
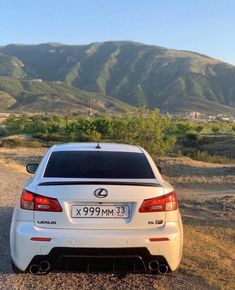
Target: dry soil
(206,195)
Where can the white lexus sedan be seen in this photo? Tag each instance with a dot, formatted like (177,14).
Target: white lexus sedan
(94,207)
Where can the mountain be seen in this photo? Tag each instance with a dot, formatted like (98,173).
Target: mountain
(117,72)
(11,66)
(53,96)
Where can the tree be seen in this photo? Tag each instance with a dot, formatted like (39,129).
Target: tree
(103,124)
(182,128)
(215,129)
(147,129)
(198,128)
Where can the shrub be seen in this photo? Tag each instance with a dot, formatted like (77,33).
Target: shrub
(178,154)
(198,128)
(215,129)
(93,136)
(192,139)
(3,131)
(146,128)
(181,128)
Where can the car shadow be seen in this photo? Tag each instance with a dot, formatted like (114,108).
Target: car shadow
(5,224)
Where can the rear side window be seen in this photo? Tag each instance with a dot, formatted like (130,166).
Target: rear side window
(96,164)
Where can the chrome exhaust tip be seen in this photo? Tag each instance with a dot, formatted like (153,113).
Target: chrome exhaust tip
(163,269)
(34,269)
(153,265)
(44,267)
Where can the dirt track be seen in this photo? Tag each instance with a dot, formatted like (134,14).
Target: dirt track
(206,195)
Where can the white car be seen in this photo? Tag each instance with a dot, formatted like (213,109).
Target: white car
(96,207)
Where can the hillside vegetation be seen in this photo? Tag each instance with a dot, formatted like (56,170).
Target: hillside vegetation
(134,73)
(45,96)
(156,132)
(147,129)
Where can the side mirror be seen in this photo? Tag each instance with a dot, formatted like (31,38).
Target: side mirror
(31,167)
(159,168)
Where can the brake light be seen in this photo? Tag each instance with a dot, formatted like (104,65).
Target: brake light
(166,202)
(156,239)
(33,201)
(38,239)
(27,200)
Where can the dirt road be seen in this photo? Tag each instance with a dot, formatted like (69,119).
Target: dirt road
(206,196)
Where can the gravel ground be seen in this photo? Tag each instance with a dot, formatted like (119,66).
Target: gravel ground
(12,177)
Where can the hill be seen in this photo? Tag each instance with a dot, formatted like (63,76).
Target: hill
(53,96)
(134,73)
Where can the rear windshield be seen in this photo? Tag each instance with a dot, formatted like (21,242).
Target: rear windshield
(96,164)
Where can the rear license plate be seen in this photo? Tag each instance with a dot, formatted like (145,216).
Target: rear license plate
(100,211)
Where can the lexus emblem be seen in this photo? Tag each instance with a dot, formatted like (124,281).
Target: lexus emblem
(101,192)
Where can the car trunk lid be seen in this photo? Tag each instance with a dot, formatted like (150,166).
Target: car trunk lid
(83,208)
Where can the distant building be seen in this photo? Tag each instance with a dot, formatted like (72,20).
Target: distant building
(36,80)
(195,115)
(223,118)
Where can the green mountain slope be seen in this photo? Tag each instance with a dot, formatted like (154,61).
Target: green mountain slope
(51,96)
(11,66)
(137,74)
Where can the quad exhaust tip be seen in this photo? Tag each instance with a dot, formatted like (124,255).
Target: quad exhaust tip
(153,265)
(44,266)
(33,269)
(163,269)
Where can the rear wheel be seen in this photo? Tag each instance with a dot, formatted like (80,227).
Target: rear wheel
(16,269)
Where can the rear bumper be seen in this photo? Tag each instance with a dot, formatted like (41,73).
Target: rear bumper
(23,250)
(101,259)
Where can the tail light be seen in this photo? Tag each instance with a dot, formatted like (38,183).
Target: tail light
(40,239)
(166,202)
(33,201)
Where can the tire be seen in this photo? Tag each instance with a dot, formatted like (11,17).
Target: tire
(16,269)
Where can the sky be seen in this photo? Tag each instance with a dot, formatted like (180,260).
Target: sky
(204,26)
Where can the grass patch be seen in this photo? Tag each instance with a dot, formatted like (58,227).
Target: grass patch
(18,141)
(206,157)
(208,256)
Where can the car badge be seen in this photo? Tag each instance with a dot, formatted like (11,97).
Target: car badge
(101,192)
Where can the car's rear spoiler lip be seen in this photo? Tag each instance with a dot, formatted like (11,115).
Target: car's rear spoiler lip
(127,183)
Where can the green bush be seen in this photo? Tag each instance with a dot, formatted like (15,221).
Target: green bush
(93,136)
(146,128)
(181,128)
(178,154)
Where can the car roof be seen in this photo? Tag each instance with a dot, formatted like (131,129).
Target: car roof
(114,147)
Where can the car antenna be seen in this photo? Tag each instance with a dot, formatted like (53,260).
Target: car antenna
(98,146)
